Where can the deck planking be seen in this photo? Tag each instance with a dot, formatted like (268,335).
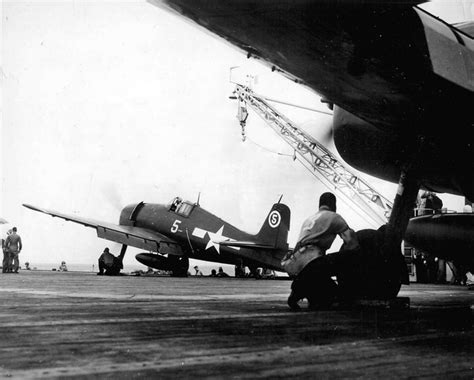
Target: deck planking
(78,325)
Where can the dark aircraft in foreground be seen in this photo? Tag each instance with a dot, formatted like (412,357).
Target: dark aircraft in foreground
(399,79)
(181,230)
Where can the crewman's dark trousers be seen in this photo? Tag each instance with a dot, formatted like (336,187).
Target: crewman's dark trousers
(6,264)
(315,285)
(110,270)
(314,282)
(14,261)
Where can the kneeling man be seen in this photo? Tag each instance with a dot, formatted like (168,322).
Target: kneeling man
(311,279)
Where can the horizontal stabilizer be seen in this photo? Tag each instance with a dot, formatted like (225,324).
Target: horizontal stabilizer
(247,244)
(129,235)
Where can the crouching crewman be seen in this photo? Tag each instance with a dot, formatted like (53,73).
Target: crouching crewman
(312,276)
(109,264)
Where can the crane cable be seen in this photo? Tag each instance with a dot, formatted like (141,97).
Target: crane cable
(269,150)
(357,209)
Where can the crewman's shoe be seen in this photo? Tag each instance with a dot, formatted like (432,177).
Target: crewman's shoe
(293,302)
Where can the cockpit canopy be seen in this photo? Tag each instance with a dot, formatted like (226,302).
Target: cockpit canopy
(180,207)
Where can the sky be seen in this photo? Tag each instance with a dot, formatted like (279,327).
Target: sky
(110,103)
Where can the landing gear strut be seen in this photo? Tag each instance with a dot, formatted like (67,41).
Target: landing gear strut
(122,254)
(405,200)
(378,269)
(239,270)
(111,265)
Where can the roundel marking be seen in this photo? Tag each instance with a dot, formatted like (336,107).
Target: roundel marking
(274,219)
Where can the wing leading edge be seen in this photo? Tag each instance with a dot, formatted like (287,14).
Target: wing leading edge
(129,235)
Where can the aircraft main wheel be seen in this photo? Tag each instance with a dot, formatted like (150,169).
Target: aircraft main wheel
(239,271)
(180,266)
(370,273)
(391,289)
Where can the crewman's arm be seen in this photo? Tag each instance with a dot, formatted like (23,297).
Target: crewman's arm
(349,238)
(20,245)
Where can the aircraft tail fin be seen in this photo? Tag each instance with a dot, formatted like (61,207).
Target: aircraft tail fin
(274,231)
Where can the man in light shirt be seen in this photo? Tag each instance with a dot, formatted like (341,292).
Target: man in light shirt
(316,237)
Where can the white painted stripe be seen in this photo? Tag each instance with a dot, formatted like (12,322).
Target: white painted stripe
(199,232)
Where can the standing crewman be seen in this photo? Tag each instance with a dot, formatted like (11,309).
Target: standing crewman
(14,246)
(6,264)
(316,237)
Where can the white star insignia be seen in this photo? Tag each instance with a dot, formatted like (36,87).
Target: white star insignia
(215,238)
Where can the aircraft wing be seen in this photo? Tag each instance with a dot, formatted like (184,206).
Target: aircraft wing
(389,66)
(355,53)
(129,235)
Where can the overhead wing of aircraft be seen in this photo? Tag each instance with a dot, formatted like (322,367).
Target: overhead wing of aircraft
(137,237)
(401,78)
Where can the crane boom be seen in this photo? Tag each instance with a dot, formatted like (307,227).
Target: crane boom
(323,164)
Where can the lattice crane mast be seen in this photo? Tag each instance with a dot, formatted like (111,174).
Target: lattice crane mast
(315,157)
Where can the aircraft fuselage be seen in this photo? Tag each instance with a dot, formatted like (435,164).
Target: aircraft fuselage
(198,235)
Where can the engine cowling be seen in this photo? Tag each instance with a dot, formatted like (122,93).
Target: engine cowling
(449,236)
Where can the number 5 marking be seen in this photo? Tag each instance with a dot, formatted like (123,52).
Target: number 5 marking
(175,226)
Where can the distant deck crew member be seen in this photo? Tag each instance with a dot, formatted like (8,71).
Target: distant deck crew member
(430,203)
(316,237)
(109,264)
(221,273)
(6,255)
(14,246)
(197,271)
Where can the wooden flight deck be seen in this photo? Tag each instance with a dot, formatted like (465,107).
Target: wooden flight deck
(79,325)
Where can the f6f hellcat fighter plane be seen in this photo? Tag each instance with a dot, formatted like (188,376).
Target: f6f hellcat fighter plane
(180,230)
